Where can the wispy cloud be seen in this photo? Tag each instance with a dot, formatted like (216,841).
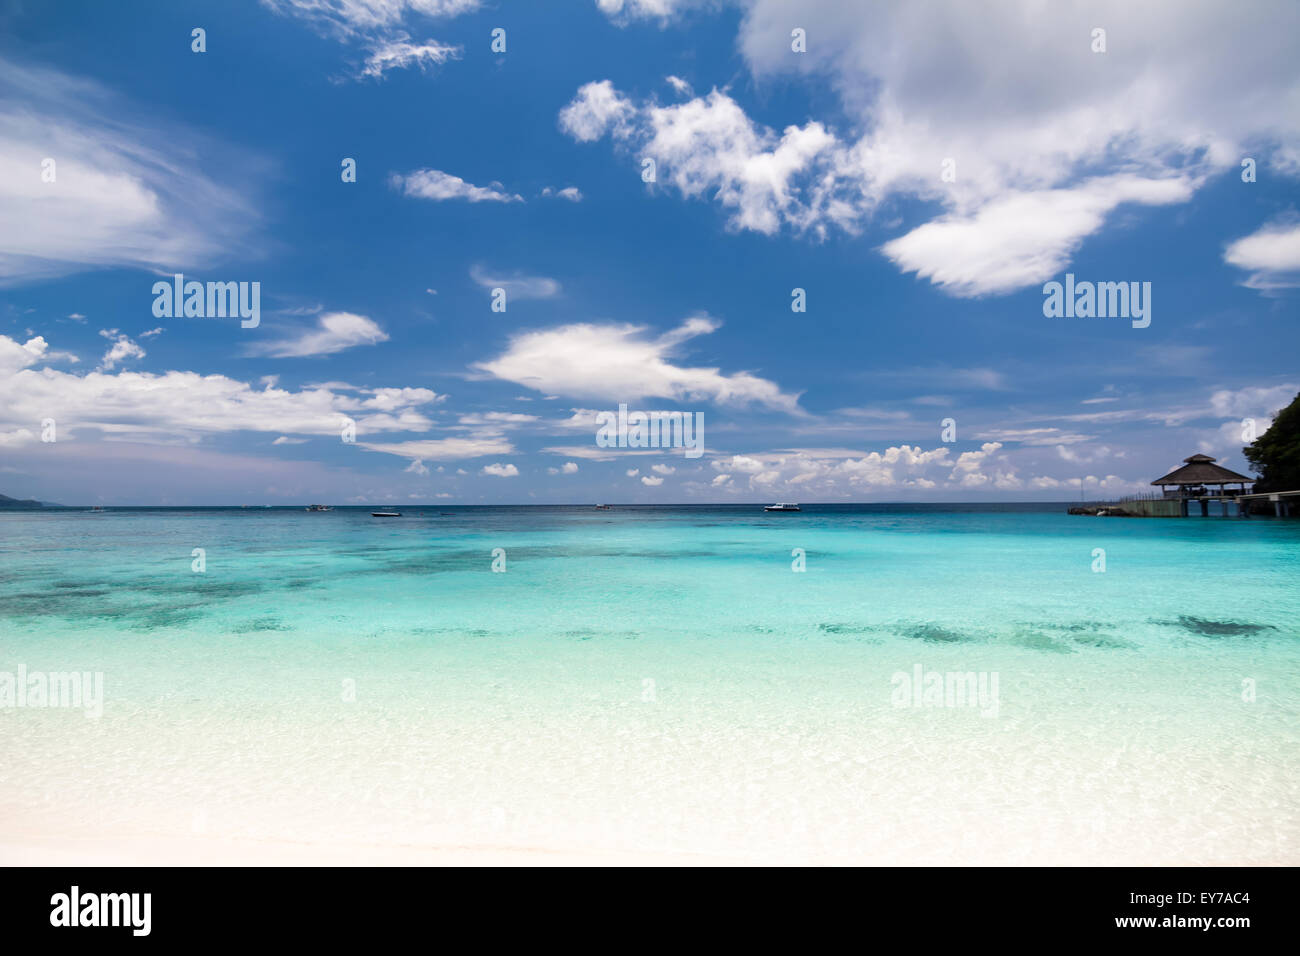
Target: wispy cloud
(435,185)
(82,185)
(334,332)
(443,449)
(400,53)
(347,18)
(517,286)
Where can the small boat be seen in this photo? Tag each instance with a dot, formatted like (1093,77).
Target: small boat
(781,506)
(602,507)
(385,514)
(319,508)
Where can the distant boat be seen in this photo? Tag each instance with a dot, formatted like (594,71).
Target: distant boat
(385,514)
(602,507)
(319,508)
(95,510)
(782,506)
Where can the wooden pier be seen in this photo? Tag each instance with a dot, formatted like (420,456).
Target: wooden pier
(1283,502)
(1198,483)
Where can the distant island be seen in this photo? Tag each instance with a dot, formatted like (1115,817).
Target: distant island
(19,504)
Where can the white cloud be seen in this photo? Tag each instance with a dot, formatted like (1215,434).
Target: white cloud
(1256,401)
(351,17)
(633,472)
(1081,455)
(496,419)
(443,449)
(500,470)
(15,356)
(121,349)
(417,467)
(651,480)
(1046,143)
(184,406)
(400,53)
(569,468)
(19,436)
(594,452)
(896,468)
(663,469)
(125,192)
(708,147)
(435,185)
(1022,238)
(1271,254)
(285,440)
(517,286)
(334,332)
(679,85)
(902,469)
(571,193)
(623,12)
(595,110)
(617,363)
(1033,436)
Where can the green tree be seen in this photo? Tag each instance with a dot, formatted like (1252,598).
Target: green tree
(1275,455)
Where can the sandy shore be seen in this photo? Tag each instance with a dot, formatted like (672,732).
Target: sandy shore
(214,851)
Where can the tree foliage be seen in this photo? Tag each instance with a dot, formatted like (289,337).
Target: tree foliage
(1275,455)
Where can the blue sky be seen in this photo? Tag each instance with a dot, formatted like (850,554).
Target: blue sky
(775,170)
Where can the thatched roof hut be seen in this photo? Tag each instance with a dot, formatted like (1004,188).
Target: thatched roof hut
(1200,470)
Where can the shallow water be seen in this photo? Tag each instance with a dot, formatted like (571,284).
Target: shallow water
(660,678)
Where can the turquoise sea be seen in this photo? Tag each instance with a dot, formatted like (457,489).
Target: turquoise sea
(662,680)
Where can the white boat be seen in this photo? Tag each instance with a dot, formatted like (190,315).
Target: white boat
(782,506)
(602,507)
(319,508)
(385,514)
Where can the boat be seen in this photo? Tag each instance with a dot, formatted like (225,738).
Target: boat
(319,508)
(602,507)
(385,514)
(782,506)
